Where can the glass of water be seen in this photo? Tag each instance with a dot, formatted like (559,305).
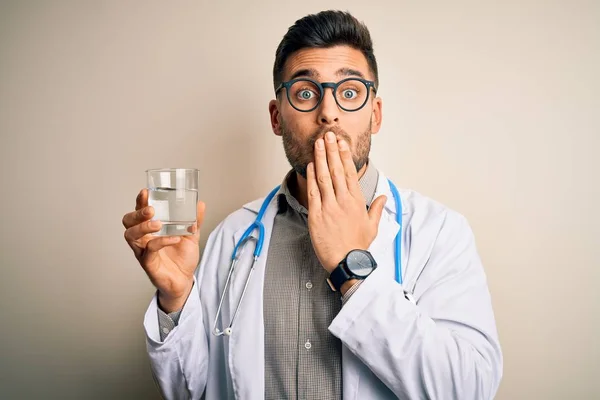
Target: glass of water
(173,192)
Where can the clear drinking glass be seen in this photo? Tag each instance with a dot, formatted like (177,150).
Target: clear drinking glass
(173,192)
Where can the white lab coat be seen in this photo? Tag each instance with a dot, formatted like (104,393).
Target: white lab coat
(444,347)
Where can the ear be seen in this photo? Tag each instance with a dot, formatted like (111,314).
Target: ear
(376,115)
(274,114)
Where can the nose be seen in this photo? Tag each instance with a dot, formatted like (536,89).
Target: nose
(328,111)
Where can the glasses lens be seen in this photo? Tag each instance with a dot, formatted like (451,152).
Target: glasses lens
(352,94)
(304,95)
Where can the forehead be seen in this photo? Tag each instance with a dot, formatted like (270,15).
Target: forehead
(328,64)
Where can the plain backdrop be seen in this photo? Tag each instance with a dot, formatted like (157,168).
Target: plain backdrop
(491,108)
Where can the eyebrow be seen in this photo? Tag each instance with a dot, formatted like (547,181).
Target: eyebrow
(308,72)
(313,73)
(349,72)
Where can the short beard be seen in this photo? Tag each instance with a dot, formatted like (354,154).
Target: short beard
(300,154)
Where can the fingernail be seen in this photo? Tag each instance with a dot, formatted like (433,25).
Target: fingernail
(320,144)
(330,137)
(154,224)
(343,145)
(146,211)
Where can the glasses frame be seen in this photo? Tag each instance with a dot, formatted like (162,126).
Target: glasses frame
(324,85)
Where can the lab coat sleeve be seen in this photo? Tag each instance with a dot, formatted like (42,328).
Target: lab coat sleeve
(180,363)
(446,346)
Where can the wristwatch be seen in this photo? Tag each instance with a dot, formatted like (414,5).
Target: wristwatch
(358,264)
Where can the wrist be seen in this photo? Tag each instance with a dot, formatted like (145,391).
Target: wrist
(358,264)
(347,285)
(335,261)
(169,303)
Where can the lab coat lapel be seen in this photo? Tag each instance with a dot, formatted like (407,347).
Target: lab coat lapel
(382,249)
(246,344)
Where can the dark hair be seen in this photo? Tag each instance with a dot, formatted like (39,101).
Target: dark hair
(323,30)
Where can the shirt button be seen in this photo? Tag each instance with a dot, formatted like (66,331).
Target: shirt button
(307,345)
(165,330)
(309,285)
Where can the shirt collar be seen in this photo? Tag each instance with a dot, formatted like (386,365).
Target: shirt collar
(368,185)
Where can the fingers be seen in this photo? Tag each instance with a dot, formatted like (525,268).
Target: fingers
(336,168)
(142,211)
(312,188)
(155,245)
(323,178)
(152,248)
(350,172)
(141,199)
(195,228)
(136,232)
(137,217)
(376,209)
(200,209)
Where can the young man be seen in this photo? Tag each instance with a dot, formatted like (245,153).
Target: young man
(324,315)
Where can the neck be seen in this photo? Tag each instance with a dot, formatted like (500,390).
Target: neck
(300,192)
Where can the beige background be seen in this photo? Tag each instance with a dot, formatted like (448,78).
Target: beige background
(491,108)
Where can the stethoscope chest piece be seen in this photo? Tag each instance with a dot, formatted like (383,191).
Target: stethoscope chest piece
(409,296)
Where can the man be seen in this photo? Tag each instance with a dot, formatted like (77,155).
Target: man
(309,325)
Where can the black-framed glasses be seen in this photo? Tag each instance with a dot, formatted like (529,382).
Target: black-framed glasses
(305,95)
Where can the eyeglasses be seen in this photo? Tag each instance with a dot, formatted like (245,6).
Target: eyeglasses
(305,95)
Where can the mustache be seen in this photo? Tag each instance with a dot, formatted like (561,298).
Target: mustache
(339,133)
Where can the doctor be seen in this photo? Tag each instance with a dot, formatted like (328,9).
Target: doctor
(324,315)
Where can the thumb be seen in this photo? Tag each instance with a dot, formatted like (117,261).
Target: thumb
(377,208)
(200,210)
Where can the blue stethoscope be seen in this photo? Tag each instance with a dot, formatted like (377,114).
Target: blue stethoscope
(257,224)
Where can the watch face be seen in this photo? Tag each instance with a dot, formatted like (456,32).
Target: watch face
(360,263)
